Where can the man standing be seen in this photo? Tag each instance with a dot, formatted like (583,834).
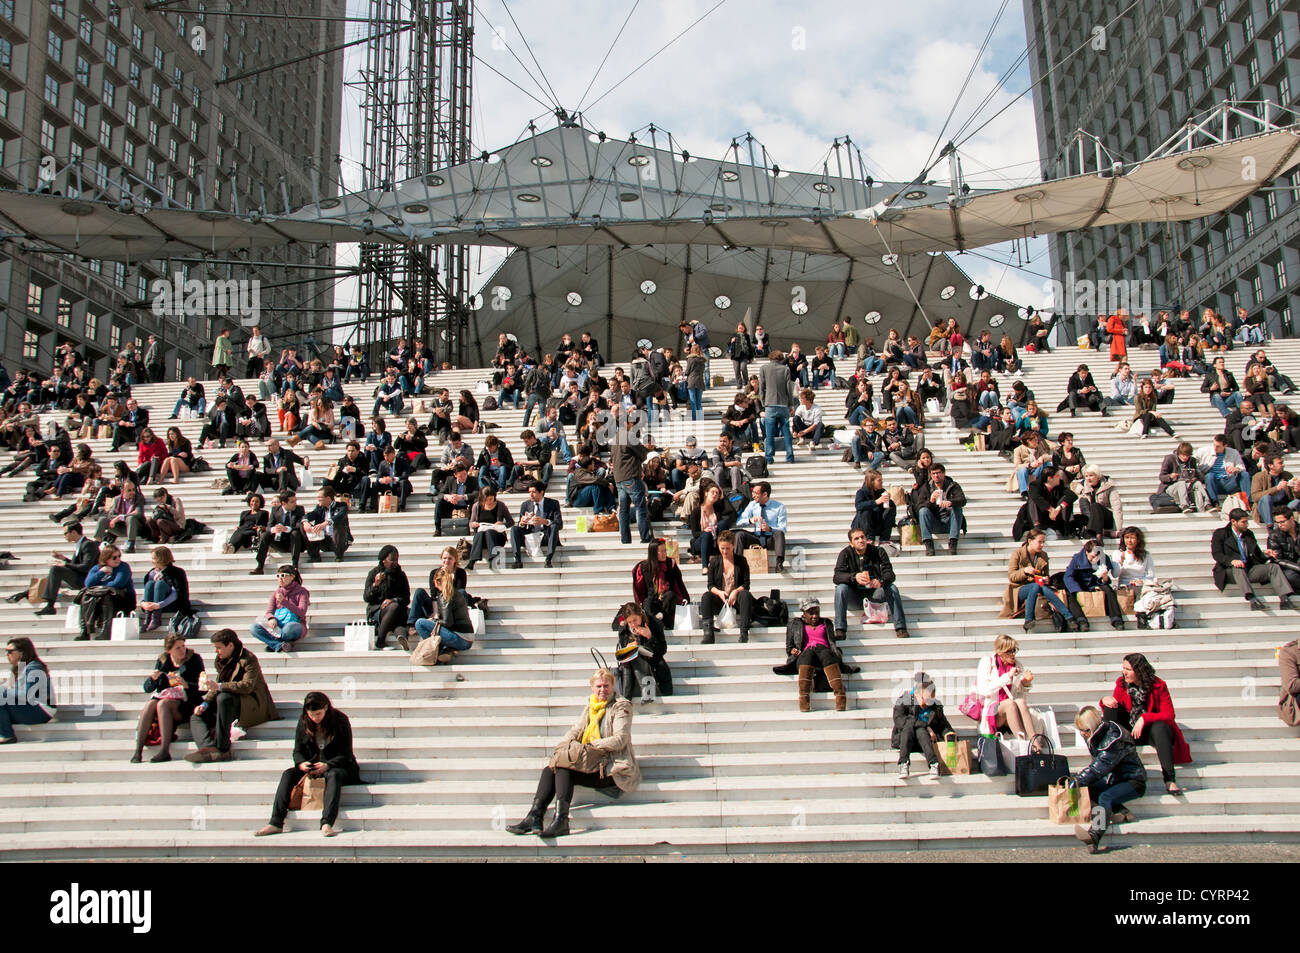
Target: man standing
(627,455)
(258,350)
(862,572)
(153,362)
(774,390)
(223,353)
(763,524)
(537,514)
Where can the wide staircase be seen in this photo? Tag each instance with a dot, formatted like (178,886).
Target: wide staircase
(451,753)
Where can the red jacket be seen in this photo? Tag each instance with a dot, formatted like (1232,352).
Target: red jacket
(149,451)
(1160,707)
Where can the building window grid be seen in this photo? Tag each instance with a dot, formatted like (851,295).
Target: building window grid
(35,297)
(109,94)
(51,90)
(54,46)
(31,345)
(1279,274)
(114,336)
(86,30)
(1257,288)
(63,313)
(82,70)
(92,325)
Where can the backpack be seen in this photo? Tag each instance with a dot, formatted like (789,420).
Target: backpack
(186,626)
(489,403)
(756,467)
(1163,503)
(771,610)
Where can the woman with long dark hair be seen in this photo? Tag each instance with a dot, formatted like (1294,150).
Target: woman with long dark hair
(657,583)
(28,699)
(1145,412)
(180,456)
(1134,566)
(1142,704)
(322,748)
(151,451)
(388,596)
(467,414)
(174,694)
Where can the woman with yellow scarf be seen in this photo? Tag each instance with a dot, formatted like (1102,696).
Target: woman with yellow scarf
(595,753)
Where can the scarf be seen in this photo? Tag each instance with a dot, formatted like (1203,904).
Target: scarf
(595,712)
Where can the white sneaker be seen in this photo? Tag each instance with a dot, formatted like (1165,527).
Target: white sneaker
(934,770)
(904,771)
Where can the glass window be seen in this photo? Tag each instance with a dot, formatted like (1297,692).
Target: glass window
(158,57)
(176,113)
(137,36)
(1253,69)
(150,169)
(51,90)
(114,336)
(1279,273)
(128,153)
(63,313)
(105,134)
(83,70)
(114,14)
(86,30)
(76,152)
(1279,47)
(153,132)
(35,297)
(47,135)
(1257,288)
(132,113)
(155,96)
(31,345)
(7,9)
(1249,219)
(54,45)
(110,53)
(133,74)
(6,53)
(79,112)
(109,94)
(171,149)
(180,369)
(92,325)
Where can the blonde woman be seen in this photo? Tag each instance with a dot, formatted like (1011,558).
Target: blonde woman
(448,622)
(1114,777)
(595,753)
(1004,683)
(320,424)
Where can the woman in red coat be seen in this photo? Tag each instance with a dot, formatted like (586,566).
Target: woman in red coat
(657,584)
(1142,704)
(1118,331)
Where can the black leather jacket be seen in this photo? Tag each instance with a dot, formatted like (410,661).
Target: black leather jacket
(1114,759)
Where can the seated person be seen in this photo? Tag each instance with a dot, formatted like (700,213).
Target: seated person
(738,421)
(281,531)
(537,459)
(810,645)
(387,594)
(641,639)
(237,692)
(1050,506)
(727,470)
(1100,507)
(1142,704)
(591,486)
(191,397)
(129,426)
(496,464)
(867,446)
(940,506)
(278,465)
(1091,570)
(326,524)
(1081,391)
(919,722)
(241,470)
(690,453)
(863,572)
(1239,560)
(537,514)
(489,519)
(874,511)
(458,492)
(657,584)
(807,421)
(392,478)
(67,570)
(322,748)
(1270,489)
(712,513)
(1028,573)
(442,613)
(1181,479)
(252,522)
(1222,469)
(174,693)
(166,589)
(1068,458)
(763,523)
(898,445)
(1284,545)
(285,621)
(351,476)
(388,396)
(456,448)
(728,587)
(28,699)
(1029,458)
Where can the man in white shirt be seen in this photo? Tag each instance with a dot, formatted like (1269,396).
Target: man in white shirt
(1223,470)
(763,524)
(1122,387)
(259,349)
(807,422)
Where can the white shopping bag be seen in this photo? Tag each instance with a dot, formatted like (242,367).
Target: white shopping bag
(220,538)
(685,620)
(727,618)
(1045,724)
(478,620)
(481,387)
(533,542)
(306,480)
(72,621)
(358,636)
(125,628)
(932,406)
(1011,749)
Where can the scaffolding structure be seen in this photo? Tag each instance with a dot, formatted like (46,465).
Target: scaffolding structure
(416,117)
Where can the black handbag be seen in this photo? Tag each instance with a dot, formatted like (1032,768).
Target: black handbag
(1037,770)
(990,754)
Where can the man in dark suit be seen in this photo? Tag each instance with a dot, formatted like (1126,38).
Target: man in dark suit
(940,506)
(392,475)
(278,464)
(351,477)
(538,514)
(1238,559)
(456,493)
(1081,391)
(284,519)
(71,570)
(128,428)
(326,523)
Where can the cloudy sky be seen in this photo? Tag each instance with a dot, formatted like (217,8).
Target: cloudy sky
(888,75)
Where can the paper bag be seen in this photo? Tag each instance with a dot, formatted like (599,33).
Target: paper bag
(1127,596)
(313,795)
(1093,604)
(910,535)
(671,549)
(387,503)
(898,496)
(36,590)
(756,556)
(125,628)
(1067,803)
(954,755)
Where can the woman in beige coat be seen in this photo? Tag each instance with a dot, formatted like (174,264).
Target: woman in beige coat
(595,753)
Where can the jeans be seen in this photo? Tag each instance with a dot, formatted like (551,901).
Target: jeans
(929,521)
(429,627)
(1225,404)
(1028,595)
(873,365)
(906,415)
(694,396)
(1111,799)
(156,590)
(988,400)
(632,493)
(1220,486)
(12,714)
(595,495)
(846,595)
(777,420)
(394,405)
(202,407)
(859,414)
(535,399)
(1022,477)
(290,632)
(513,397)
(837,352)
(1266,505)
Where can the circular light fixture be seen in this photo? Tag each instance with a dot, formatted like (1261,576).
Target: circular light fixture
(330,203)
(799,307)
(772,223)
(638,160)
(210,216)
(493,158)
(628,196)
(501,293)
(541,162)
(648,287)
(434,180)
(1025,313)
(890,215)
(947,292)
(872,318)
(645,343)
(1033,196)
(996,320)
(1188,163)
(891,260)
(720,207)
(416,209)
(77,208)
(715,351)
(722,302)
(528,197)
(915,194)
(573,298)
(824,187)
(510,336)
(475,301)
(978,293)
(729,175)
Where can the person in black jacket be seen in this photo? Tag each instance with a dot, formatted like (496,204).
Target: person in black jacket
(278,464)
(1114,777)
(326,523)
(1050,506)
(166,588)
(863,572)
(1238,558)
(280,532)
(174,690)
(641,639)
(809,645)
(919,722)
(388,598)
(728,586)
(457,492)
(322,748)
(1081,391)
(351,477)
(486,512)
(392,477)
(1284,545)
(70,570)
(940,507)
(252,522)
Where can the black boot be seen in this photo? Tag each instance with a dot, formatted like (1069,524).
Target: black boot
(559,826)
(532,822)
(707,625)
(929,547)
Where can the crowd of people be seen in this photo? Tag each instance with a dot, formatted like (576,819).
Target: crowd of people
(594,428)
